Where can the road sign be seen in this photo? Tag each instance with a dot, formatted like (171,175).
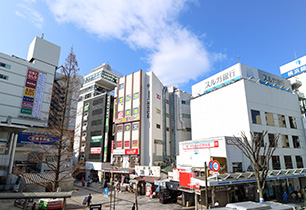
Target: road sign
(105,191)
(210,165)
(216,166)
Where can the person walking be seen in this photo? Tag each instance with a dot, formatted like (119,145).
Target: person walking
(133,207)
(285,196)
(83,181)
(89,199)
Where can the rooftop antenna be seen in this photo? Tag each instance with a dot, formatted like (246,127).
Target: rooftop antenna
(238,59)
(42,35)
(294,54)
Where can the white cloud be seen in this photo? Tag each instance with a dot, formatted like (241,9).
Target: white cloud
(173,51)
(28,13)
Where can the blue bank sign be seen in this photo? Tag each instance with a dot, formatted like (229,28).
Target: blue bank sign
(293,68)
(36,138)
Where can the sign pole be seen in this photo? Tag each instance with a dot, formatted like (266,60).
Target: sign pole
(206,190)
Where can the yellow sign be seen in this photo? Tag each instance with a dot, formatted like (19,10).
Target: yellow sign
(30,92)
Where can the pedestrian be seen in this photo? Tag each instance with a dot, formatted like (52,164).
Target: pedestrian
(299,195)
(285,196)
(89,199)
(133,207)
(83,181)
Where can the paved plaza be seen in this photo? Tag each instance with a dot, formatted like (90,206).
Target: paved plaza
(124,200)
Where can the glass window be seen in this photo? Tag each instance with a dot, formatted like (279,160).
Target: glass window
(281,121)
(237,167)
(271,139)
(257,138)
(158,126)
(88,95)
(299,162)
(284,141)
(3,77)
(275,163)
(269,119)
(121,86)
(296,142)
(288,162)
(255,117)
(186,116)
(292,122)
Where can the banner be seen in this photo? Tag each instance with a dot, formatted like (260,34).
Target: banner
(36,138)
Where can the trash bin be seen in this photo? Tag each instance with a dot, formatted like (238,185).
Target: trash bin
(95,207)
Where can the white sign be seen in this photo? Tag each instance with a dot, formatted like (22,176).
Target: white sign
(222,78)
(293,68)
(148,171)
(201,145)
(118,152)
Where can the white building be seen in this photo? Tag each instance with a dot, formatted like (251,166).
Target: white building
(246,99)
(150,121)
(27,84)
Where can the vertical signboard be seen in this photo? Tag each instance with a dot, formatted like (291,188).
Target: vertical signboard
(33,93)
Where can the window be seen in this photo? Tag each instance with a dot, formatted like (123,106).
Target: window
(96,133)
(255,117)
(257,138)
(299,162)
(188,129)
(158,126)
(167,129)
(97,111)
(281,121)
(88,95)
(186,102)
(186,116)
(269,119)
(292,122)
(288,162)
(98,101)
(3,77)
(121,86)
(275,163)
(5,65)
(96,122)
(296,142)
(284,141)
(237,167)
(271,139)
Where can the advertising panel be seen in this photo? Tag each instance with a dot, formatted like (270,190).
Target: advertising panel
(176,173)
(153,171)
(36,138)
(95,150)
(293,68)
(131,151)
(95,139)
(185,179)
(201,145)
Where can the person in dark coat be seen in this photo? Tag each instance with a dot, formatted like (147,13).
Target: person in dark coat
(89,199)
(133,207)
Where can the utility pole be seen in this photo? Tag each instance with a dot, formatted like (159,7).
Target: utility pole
(136,203)
(206,190)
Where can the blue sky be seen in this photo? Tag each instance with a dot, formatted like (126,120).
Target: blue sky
(182,41)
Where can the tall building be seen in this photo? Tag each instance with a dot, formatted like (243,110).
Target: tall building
(26,89)
(246,99)
(150,121)
(93,129)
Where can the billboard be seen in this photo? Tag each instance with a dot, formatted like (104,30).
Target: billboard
(33,93)
(200,145)
(153,171)
(185,179)
(36,138)
(293,68)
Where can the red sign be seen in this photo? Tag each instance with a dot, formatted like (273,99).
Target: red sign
(31,83)
(127,144)
(27,105)
(33,75)
(197,186)
(185,179)
(112,147)
(119,144)
(131,151)
(216,166)
(95,151)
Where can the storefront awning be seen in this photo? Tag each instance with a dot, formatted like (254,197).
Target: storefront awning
(248,177)
(148,179)
(122,171)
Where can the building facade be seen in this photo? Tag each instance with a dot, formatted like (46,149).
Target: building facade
(93,129)
(246,99)
(150,120)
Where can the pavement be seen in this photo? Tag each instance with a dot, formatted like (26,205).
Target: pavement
(124,200)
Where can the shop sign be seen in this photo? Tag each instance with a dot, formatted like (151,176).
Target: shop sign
(176,173)
(136,95)
(2,146)
(119,144)
(127,119)
(293,68)
(95,139)
(153,171)
(127,144)
(131,151)
(36,138)
(118,151)
(185,179)
(201,145)
(135,143)
(95,150)
(232,140)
